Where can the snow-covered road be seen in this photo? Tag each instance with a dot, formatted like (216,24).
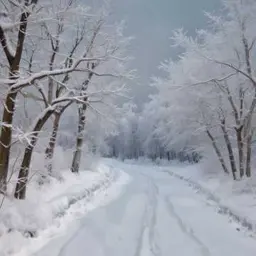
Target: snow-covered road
(157,215)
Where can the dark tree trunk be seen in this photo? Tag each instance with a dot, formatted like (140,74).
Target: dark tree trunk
(10,100)
(218,153)
(240,147)
(81,123)
(230,150)
(248,156)
(6,138)
(20,190)
(49,152)
(80,138)
(168,156)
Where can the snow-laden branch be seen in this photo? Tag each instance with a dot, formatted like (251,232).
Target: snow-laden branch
(221,79)
(238,70)
(23,82)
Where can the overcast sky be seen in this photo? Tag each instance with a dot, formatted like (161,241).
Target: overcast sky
(151,22)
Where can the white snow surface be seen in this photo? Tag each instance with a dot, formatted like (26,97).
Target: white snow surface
(55,208)
(155,214)
(238,196)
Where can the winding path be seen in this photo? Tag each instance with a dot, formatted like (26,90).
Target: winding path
(157,215)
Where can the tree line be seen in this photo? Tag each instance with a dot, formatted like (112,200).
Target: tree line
(206,102)
(136,138)
(58,59)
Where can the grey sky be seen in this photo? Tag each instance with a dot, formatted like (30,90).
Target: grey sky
(152,22)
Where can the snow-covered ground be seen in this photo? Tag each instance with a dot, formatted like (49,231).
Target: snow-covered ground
(55,208)
(236,197)
(155,214)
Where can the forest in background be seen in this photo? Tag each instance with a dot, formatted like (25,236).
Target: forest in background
(205,105)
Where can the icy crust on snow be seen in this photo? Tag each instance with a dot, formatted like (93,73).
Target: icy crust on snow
(49,209)
(237,199)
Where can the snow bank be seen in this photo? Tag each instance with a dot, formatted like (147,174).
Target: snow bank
(49,208)
(234,198)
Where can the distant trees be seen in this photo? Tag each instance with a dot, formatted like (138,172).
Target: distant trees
(215,79)
(208,98)
(50,56)
(137,136)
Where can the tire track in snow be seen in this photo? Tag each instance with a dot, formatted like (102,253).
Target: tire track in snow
(140,239)
(150,221)
(242,221)
(154,247)
(188,231)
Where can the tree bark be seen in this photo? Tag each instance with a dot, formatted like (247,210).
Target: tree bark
(240,146)
(230,150)
(6,138)
(168,155)
(49,152)
(81,122)
(80,138)
(10,100)
(20,190)
(218,153)
(248,156)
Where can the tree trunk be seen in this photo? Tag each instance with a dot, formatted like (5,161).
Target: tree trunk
(248,155)
(230,151)
(10,100)
(20,190)
(218,153)
(6,138)
(81,123)
(168,156)
(240,146)
(49,152)
(80,138)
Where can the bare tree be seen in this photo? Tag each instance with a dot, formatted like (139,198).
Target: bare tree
(25,8)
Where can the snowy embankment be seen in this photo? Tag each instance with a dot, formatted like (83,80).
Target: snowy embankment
(235,199)
(54,209)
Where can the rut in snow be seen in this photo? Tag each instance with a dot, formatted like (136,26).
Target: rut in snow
(148,231)
(186,230)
